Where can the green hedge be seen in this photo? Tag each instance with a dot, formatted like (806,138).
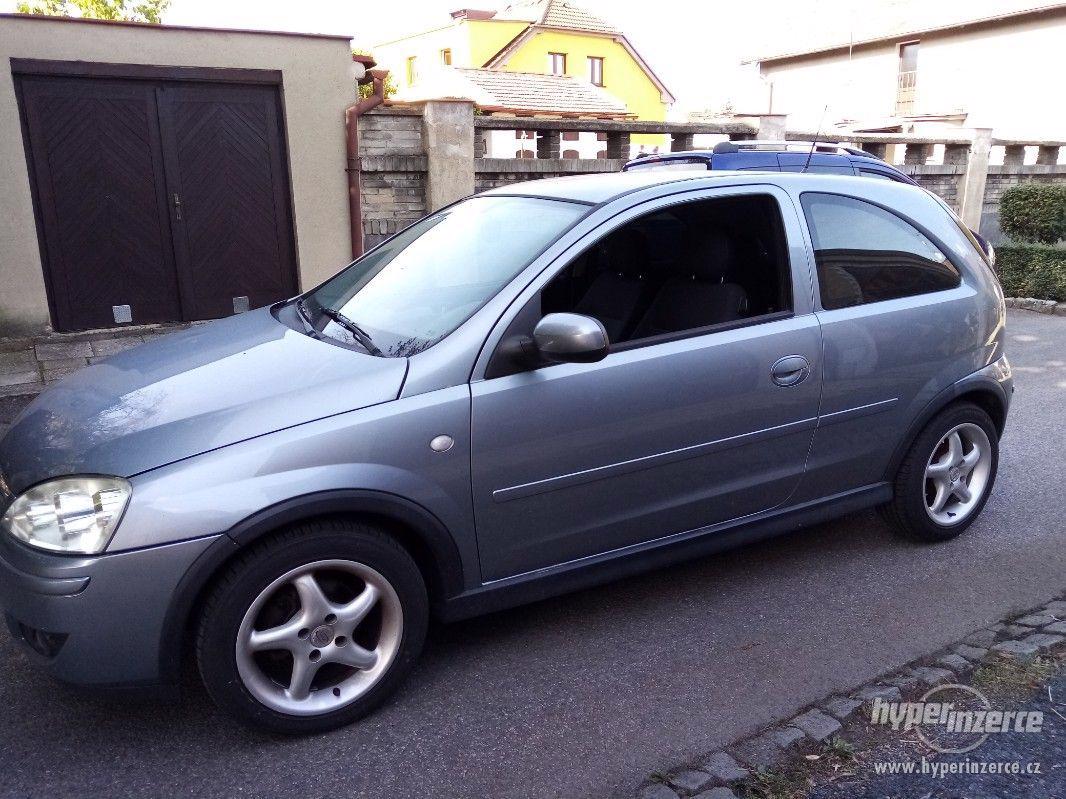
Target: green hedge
(1032,270)
(1034,212)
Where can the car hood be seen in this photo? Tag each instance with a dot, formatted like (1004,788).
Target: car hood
(187,393)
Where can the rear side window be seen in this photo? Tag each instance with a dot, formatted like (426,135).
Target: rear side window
(866,254)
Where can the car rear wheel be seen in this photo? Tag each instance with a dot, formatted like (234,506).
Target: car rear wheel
(313,628)
(946,476)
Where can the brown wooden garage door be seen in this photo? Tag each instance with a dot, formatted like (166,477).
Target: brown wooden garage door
(168,197)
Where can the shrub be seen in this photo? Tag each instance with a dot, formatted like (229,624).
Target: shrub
(1032,270)
(1034,212)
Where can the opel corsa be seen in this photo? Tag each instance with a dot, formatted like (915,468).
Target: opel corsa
(536,389)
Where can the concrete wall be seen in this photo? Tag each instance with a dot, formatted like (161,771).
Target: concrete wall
(1000,76)
(317,85)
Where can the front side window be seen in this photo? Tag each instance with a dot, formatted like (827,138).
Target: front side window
(423,283)
(867,254)
(446,56)
(556,63)
(412,70)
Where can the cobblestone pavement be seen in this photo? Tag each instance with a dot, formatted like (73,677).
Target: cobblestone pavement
(585,695)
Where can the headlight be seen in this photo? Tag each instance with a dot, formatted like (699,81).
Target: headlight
(71,514)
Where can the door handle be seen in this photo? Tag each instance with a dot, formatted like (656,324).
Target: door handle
(790,370)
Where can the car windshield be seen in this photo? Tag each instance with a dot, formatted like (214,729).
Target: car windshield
(423,283)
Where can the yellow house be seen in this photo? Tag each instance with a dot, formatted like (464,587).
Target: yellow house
(599,73)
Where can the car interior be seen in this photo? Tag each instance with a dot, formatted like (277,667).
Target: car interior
(691,266)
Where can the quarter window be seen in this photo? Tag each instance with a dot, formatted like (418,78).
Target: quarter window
(867,254)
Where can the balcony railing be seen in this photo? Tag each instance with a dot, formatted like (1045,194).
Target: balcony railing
(906,93)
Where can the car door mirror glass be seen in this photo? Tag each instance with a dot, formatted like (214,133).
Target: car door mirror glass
(570,338)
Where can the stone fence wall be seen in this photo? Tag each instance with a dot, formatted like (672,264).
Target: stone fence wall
(394,159)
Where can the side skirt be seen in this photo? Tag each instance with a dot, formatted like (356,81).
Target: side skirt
(597,569)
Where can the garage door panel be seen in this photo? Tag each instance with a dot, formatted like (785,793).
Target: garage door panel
(98,168)
(226,163)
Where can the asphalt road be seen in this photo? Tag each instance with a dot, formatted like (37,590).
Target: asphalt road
(586,694)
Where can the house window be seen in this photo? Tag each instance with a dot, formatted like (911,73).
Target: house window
(907,81)
(556,63)
(412,70)
(446,56)
(595,70)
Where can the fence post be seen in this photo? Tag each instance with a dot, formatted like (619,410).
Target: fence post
(680,142)
(1013,155)
(972,190)
(1047,154)
(448,139)
(617,145)
(548,143)
(771,127)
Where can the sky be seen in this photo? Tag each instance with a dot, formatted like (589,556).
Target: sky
(695,47)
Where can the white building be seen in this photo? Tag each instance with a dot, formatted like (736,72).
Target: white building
(1001,71)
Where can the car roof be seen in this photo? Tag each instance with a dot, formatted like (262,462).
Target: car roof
(602,187)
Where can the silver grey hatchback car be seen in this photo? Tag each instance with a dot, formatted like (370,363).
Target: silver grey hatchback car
(536,389)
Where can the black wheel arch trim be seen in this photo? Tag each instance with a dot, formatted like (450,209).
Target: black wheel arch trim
(417,520)
(975,383)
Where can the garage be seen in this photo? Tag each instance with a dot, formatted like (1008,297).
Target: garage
(158,198)
(154,174)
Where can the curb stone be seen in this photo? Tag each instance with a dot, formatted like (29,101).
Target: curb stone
(784,742)
(1037,305)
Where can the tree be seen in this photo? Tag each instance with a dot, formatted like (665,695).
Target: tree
(125,10)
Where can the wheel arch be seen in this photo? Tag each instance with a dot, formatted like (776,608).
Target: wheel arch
(981,390)
(420,532)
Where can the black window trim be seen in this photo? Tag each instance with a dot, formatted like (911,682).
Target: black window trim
(940,245)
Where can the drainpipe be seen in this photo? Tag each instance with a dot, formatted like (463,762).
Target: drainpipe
(351,122)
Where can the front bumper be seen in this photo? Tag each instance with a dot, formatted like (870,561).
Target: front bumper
(94,620)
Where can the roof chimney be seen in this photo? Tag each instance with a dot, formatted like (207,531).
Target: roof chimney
(472,13)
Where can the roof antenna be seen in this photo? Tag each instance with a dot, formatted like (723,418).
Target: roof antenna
(816,137)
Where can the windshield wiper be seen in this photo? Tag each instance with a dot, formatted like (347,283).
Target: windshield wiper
(360,335)
(305,315)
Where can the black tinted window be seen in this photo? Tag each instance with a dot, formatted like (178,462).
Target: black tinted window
(867,254)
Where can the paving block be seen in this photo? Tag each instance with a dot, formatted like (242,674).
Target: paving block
(717,793)
(54,350)
(932,676)
(1020,650)
(973,653)
(24,377)
(657,791)
(16,361)
(1056,607)
(842,706)
(955,663)
(724,768)
(889,693)
(985,637)
(1016,630)
(816,724)
(1058,628)
(113,346)
(1044,641)
(759,753)
(904,682)
(786,736)
(691,780)
(1037,619)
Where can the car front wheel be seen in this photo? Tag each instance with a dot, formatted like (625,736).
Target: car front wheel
(312,628)
(946,476)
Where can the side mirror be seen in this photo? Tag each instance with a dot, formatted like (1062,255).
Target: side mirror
(570,338)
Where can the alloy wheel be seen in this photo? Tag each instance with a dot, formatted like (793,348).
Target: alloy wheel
(957,474)
(319,637)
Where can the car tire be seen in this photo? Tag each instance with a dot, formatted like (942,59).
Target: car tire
(339,600)
(955,455)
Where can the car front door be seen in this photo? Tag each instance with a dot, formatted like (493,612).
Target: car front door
(657,439)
